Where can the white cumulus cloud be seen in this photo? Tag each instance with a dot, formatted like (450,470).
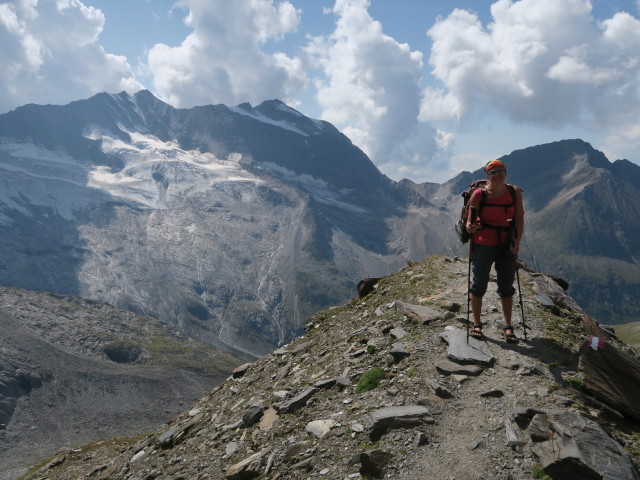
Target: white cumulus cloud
(542,62)
(223,60)
(369,87)
(50,54)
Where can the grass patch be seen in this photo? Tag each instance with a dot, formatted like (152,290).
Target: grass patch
(370,379)
(538,472)
(629,333)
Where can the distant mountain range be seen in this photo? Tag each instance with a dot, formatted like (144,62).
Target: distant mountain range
(236,223)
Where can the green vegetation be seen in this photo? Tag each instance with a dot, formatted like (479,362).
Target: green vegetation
(574,382)
(370,379)
(538,472)
(189,355)
(629,333)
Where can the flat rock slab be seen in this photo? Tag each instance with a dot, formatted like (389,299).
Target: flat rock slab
(296,402)
(401,417)
(476,351)
(419,312)
(447,367)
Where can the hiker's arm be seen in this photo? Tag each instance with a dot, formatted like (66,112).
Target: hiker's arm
(519,220)
(474,206)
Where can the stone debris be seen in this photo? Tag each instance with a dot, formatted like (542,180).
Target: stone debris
(442,410)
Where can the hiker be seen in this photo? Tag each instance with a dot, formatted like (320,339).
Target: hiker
(495,224)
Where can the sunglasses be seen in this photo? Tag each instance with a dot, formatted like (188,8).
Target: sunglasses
(497,170)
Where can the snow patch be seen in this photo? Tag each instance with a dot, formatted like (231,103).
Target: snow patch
(155,171)
(319,189)
(278,123)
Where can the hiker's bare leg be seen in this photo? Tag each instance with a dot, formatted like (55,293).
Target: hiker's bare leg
(507,306)
(476,308)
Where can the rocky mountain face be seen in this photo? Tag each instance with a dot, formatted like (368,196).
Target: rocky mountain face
(386,386)
(74,371)
(233,224)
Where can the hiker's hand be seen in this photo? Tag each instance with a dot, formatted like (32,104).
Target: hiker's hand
(515,248)
(471,228)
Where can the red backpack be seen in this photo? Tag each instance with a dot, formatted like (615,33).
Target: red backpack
(461,225)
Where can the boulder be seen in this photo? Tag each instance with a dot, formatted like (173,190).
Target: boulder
(578,449)
(612,376)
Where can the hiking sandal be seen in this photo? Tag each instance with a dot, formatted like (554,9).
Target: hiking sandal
(510,335)
(476,331)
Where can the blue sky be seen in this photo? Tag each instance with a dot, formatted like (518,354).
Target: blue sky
(426,88)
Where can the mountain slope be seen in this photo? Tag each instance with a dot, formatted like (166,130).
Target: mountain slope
(73,371)
(583,223)
(298,413)
(236,223)
(233,224)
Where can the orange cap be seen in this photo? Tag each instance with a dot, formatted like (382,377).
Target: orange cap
(494,164)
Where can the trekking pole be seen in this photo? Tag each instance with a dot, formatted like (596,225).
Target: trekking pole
(468,292)
(524,325)
(474,216)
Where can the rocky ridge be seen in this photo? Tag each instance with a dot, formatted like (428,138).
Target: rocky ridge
(386,386)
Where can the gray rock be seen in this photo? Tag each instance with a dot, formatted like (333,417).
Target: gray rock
(400,417)
(300,348)
(512,437)
(476,351)
(296,449)
(176,433)
(420,439)
(420,313)
(612,376)
(562,400)
(241,370)
(247,468)
(440,390)
(343,382)
(325,383)
(398,333)
(399,352)
(579,449)
(447,367)
(230,449)
(320,428)
(253,415)
(493,393)
(539,428)
(522,416)
(373,463)
(296,402)
(545,300)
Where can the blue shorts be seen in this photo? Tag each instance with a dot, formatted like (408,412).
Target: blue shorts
(482,257)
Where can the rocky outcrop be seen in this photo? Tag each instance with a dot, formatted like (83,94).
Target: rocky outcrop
(611,375)
(572,447)
(311,409)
